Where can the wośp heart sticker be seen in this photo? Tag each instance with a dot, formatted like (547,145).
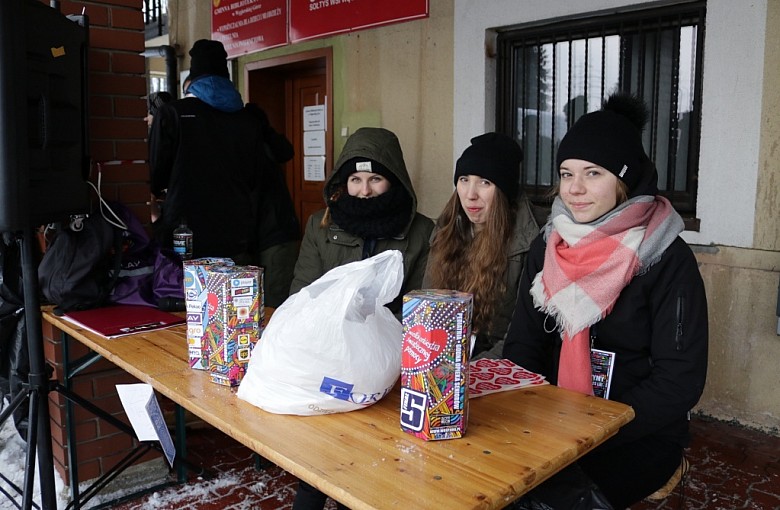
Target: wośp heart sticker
(421,347)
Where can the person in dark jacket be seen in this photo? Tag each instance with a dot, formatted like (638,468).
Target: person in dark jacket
(482,237)
(153,103)
(610,282)
(206,157)
(277,230)
(372,207)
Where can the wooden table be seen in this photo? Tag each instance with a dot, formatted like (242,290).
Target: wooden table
(514,441)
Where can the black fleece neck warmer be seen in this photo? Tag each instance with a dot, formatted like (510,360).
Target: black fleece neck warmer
(378,217)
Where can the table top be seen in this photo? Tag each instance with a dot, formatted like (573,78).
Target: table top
(514,440)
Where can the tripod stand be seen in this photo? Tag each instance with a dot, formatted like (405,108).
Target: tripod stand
(36,390)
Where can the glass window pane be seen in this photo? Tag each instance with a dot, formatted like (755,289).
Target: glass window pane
(685,95)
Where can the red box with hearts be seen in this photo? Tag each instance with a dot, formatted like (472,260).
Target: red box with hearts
(435,363)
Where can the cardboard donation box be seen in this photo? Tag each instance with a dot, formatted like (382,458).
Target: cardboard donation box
(225,315)
(435,363)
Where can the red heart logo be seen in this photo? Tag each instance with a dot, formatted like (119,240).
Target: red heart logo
(501,370)
(485,376)
(486,386)
(507,381)
(421,347)
(525,374)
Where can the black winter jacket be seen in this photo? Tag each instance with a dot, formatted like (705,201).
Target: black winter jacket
(657,330)
(210,162)
(277,222)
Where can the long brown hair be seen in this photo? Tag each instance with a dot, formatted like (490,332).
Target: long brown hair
(474,263)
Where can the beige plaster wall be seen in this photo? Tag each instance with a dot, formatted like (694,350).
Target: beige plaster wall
(767,225)
(189,20)
(743,380)
(401,76)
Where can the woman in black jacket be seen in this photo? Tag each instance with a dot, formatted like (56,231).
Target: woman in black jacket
(611,303)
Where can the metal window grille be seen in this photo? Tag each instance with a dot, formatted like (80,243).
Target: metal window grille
(155,17)
(549,75)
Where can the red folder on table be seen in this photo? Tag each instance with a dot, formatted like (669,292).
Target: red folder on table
(121,320)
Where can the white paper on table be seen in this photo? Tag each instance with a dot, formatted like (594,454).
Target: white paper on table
(145,416)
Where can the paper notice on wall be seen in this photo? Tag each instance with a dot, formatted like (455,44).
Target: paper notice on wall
(145,416)
(314,143)
(314,118)
(314,168)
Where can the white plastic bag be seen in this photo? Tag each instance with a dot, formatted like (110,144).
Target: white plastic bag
(333,346)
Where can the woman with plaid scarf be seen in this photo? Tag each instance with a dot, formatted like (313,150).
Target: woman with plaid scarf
(611,303)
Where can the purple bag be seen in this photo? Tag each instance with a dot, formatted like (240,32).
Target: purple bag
(147,273)
(168,276)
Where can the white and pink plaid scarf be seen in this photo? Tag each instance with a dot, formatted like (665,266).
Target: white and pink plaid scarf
(586,267)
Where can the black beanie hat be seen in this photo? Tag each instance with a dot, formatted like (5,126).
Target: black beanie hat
(612,138)
(208,57)
(497,158)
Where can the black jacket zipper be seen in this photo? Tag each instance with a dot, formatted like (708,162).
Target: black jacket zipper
(679,333)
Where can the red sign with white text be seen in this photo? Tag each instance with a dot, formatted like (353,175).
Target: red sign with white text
(319,18)
(246,26)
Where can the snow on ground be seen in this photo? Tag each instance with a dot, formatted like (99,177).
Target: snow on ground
(235,489)
(13,452)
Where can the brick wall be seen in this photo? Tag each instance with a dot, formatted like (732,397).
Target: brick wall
(117,84)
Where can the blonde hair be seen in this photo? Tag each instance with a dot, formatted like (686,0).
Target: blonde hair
(326,219)
(473,262)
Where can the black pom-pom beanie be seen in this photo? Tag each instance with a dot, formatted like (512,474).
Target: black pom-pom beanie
(612,138)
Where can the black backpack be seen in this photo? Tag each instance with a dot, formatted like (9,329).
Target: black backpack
(80,268)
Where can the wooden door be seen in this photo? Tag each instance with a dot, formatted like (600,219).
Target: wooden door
(283,86)
(307,194)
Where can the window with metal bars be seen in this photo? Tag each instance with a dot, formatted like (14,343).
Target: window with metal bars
(155,18)
(549,75)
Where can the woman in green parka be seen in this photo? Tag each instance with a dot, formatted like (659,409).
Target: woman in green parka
(372,208)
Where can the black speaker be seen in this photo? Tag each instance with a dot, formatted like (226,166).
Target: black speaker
(44,161)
